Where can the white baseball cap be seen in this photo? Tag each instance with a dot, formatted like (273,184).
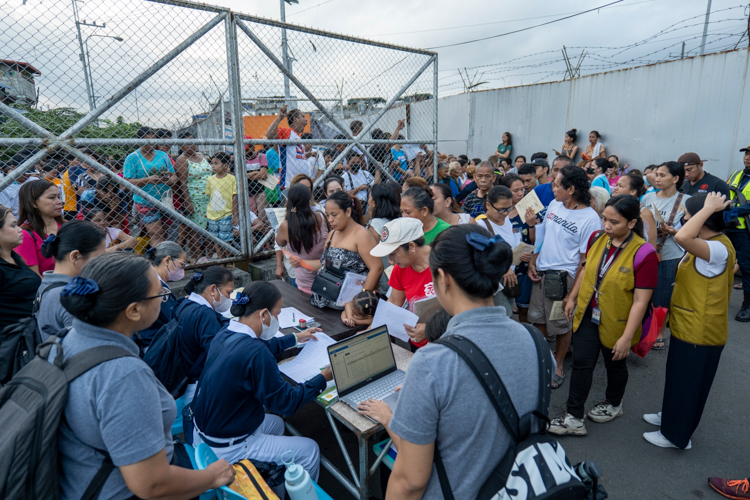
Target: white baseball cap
(396,233)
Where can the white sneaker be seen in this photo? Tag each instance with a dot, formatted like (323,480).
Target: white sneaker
(653,418)
(657,439)
(604,412)
(568,426)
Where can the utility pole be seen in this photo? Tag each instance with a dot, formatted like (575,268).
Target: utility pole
(285,51)
(705,27)
(82,55)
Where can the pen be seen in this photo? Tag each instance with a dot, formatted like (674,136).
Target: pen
(293,320)
(326,366)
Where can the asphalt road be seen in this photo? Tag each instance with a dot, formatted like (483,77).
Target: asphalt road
(632,468)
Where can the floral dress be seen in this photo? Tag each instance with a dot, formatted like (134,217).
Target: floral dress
(198,173)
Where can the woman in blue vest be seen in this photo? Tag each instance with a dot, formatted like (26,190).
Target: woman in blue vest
(170,260)
(242,380)
(200,317)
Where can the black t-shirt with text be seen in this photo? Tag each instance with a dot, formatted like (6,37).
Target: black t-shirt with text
(708,184)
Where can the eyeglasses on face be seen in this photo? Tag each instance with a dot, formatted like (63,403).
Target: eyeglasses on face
(164,295)
(501,210)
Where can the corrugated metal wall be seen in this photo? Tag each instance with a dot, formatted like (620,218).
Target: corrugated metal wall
(648,114)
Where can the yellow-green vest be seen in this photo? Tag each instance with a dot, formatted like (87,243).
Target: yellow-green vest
(699,309)
(734,181)
(616,290)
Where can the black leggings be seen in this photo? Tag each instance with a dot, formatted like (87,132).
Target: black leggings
(587,347)
(690,374)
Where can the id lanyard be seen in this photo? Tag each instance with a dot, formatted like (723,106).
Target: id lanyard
(596,312)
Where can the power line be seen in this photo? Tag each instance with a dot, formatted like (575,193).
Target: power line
(525,29)
(309,8)
(491,23)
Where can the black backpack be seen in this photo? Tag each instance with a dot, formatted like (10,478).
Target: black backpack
(164,358)
(535,454)
(31,408)
(18,342)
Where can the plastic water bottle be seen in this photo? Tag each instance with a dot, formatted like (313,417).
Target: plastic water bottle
(298,483)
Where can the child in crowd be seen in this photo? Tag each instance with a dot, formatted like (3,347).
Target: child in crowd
(360,310)
(115,238)
(222,212)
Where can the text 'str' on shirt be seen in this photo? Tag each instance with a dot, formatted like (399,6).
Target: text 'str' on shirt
(566,236)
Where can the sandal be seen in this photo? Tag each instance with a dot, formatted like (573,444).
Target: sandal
(557,379)
(661,347)
(738,286)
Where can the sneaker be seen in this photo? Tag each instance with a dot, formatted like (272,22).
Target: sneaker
(604,412)
(737,488)
(568,426)
(653,418)
(657,439)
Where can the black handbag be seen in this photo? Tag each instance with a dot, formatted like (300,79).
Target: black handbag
(511,292)
(329,280)
(555,284)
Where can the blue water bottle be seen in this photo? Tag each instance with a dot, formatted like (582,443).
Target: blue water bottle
(298,483)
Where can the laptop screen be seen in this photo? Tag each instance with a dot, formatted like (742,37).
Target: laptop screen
(359,358)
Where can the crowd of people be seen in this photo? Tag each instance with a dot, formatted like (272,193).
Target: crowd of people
(604,248)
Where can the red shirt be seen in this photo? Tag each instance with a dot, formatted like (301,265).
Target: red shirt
(415,285)
(31,251)
(646,265)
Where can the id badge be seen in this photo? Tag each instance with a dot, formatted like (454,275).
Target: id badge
(596,316)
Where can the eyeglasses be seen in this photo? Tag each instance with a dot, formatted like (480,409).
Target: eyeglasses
(164,295)
(501,210)
(181,263)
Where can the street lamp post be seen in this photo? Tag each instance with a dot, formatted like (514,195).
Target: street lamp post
(285,51)
(88,57)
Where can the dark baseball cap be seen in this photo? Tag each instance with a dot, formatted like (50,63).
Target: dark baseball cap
(689,159)
(745,149)
(540,161)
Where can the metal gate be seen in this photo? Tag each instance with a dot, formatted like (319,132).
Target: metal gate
(78,80)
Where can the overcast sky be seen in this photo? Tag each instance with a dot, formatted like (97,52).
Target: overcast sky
(42,32)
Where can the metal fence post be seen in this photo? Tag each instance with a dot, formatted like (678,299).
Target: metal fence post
(435,121)
(235,98)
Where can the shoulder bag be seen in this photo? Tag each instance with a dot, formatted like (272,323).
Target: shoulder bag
(328,281)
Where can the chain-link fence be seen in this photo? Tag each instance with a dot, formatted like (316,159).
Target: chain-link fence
(160,120)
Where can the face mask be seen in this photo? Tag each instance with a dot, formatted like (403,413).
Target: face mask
(175,274)
(269,331)
(646,181)
(355,168)
(223,304)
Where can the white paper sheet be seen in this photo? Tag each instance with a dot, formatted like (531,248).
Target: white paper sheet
(530,200)
(290,316)
(557,312)
(351,286)
(310,359)
(521,248)
(394,318)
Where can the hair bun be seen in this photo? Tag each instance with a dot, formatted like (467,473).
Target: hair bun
(574,130)
(50,245)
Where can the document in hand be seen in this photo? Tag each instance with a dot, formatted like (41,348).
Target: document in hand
(275,217)
(353,284)
(426,308)
(270,181)
(394,318)
(530,200)
(521,248)
(310,359)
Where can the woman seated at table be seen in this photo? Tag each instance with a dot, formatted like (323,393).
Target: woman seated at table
(403,242)
(348,246)
(417,203)
(170,260)
(467,266)
(200,317)
(304,233)
(242,380)
(446,208)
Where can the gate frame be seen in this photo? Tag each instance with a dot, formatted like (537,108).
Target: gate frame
(67,141)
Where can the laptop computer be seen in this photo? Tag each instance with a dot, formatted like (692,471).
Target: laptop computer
(364,368)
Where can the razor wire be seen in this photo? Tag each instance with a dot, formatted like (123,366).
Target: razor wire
(156,118)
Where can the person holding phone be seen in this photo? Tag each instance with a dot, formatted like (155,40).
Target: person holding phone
(152,171)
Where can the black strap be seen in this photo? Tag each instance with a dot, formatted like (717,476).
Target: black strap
(96,484)
(38,301)
(500,399)
(260,491)
(88,359)
(75,367)
(670,221)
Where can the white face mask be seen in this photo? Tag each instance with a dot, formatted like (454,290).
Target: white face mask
(268,331)
(223,304)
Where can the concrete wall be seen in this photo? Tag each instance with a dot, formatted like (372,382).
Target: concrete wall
(648,114)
